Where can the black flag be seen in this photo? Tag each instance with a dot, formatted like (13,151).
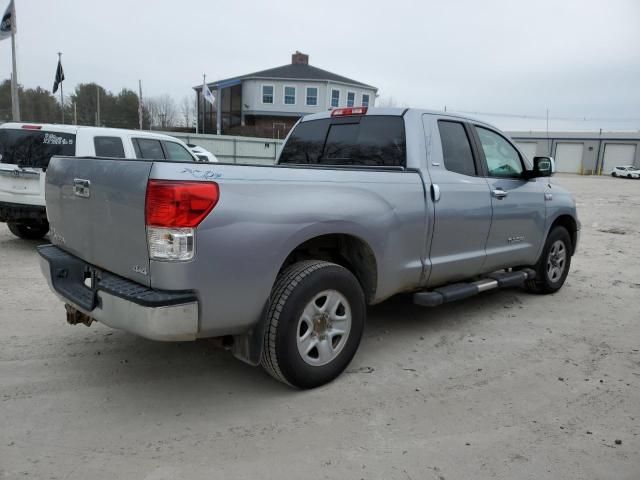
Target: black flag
(59,76)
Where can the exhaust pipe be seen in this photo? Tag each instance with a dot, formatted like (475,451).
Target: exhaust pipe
(75,316)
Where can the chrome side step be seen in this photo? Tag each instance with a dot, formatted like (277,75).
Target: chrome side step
(458,291)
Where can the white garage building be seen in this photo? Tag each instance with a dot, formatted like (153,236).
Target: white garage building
(584,153)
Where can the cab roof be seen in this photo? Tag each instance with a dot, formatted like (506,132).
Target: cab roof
(74,129)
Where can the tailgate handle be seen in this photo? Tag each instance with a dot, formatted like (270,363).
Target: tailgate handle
(81,187)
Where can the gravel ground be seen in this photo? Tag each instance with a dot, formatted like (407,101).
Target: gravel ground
(504,385)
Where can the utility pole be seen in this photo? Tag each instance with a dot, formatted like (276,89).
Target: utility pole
(97,105)
(548,139)
(15,99)
(140,104)
(61,94)
(204,106)
(75,114)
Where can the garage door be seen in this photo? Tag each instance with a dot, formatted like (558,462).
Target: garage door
(528,148)
(568,157)
(617,154)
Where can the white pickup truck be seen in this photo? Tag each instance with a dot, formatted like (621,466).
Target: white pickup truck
(25,151)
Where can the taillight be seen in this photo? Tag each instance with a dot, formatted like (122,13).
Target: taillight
(173,210)
(32,127)
(179,204)
(345,112)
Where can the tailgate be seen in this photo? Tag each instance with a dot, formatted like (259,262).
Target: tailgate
(20,185)
(96,211)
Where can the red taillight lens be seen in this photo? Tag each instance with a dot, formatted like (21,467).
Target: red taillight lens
(32,127)
(345,112)
(179,204)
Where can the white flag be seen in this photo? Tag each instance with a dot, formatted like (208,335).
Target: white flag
(8,23)
(208,96)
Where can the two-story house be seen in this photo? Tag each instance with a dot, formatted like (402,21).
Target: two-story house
(269,102)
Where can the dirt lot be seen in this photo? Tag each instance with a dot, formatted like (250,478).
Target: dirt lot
(506,385)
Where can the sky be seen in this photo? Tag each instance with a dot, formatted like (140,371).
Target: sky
(578,59)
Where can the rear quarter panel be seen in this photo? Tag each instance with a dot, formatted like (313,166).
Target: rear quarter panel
(264,213)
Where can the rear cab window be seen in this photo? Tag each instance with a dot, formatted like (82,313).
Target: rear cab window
(177,152)
(111,147)
(148,148)
(374,140)
(34,148)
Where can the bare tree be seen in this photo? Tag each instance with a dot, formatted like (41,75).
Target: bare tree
(188,111)
(387,102)
(163,111)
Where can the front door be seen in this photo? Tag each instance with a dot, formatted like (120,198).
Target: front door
(519,211)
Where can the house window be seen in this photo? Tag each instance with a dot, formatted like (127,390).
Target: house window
(335,98)
(312,96)
(267,94)
(289,95)
(351,99)
(365,100)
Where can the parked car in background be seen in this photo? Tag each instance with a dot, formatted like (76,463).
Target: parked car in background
(202,154)
(628,171)
(25,151)
(280,261)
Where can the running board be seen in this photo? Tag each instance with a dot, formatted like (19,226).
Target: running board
(458,291)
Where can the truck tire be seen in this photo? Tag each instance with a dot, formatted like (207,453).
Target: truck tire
(29,231)
(553,266)
(315,322)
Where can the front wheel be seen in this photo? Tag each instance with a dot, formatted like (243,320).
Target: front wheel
(29,231)
(613,174)
(553,266)
(315,323)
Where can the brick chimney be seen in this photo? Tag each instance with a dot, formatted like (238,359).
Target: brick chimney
(299,58)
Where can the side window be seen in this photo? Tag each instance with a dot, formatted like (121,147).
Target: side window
(177,152)
(267,94)
(148,148)
(335,98)
(365,100)
(456,149)
(502,159)
(351,99)
(109,147)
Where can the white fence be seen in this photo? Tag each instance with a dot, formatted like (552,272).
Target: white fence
(229,149)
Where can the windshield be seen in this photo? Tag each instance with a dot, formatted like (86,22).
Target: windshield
(34,148)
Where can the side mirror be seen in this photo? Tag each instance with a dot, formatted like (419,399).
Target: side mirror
(543,166)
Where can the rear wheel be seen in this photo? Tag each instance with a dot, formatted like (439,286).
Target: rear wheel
(553,266)
(29,231)
(316,319)
(629,176)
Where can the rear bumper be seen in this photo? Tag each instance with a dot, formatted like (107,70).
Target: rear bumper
(118,302)
(16,212)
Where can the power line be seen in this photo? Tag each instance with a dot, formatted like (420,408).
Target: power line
(544,117)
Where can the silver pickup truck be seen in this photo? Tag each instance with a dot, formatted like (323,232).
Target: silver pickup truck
(279,262)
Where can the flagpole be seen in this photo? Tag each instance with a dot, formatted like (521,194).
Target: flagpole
(204,106)
(61,92)
(15,99)
(140,103)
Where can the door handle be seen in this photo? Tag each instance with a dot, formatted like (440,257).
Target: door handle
(499,193)
(435,192)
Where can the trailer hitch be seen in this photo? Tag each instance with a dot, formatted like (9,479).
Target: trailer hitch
(75,316)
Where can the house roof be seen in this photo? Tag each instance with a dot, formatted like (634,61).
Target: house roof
(289,71)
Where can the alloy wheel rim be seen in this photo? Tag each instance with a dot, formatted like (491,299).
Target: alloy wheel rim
(556,260)
(323,328)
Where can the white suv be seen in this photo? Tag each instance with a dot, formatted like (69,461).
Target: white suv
(628,171)
(25,151)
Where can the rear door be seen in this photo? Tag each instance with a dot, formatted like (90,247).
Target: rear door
(462,205)
(96,210)
(24,155)
(519,212)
